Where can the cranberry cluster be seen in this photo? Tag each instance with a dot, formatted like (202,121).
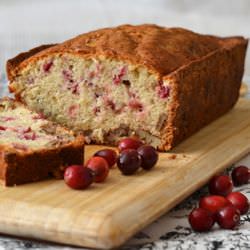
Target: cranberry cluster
(133,155)
(96,169)
(222,205)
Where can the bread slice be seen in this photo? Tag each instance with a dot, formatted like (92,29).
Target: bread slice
(33,148)
(162,84)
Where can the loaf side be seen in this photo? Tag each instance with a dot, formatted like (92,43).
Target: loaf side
(204,90)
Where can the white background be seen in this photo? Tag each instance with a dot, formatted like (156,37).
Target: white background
(28,23)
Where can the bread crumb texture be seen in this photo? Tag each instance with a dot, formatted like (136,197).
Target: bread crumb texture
(23,129)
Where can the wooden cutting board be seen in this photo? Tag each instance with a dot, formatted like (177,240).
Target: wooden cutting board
(106,215)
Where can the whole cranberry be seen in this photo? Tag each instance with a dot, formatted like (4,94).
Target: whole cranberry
(240,175)
(213,203)
(78,177)
(220,185)
(149,156)
(99,167)
(201,220)
(129,143)
(228,217)
(240,201)
(109,155)
(129,161)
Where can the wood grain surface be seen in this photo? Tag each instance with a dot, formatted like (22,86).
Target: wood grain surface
(106,215)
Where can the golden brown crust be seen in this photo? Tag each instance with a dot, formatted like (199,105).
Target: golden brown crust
(161,50)
(203,91)
(17,167)
(13,64)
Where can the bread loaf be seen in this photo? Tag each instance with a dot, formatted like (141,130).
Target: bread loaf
(161,84)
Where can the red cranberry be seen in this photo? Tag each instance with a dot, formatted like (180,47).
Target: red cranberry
(67,74)
(2,128)
(91,75)
(220,185)
(110,104)
(163,91)
(47,67)
(78,177)
(109,155)
(201,220)
(24,130)
(6,119)
(99,167)
(129,161)
(118,78)
(240,175)
(135,105)
(240,201)
(74,87)
(149,156)
(73,110)
(129,143)
(228,217)
(213,203)
(30,136)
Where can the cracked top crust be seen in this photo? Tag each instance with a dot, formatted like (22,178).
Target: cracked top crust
(161,50)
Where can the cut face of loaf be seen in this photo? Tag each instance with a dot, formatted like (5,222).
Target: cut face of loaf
(157,83)
(33,148)
(106,99)
(25,130)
